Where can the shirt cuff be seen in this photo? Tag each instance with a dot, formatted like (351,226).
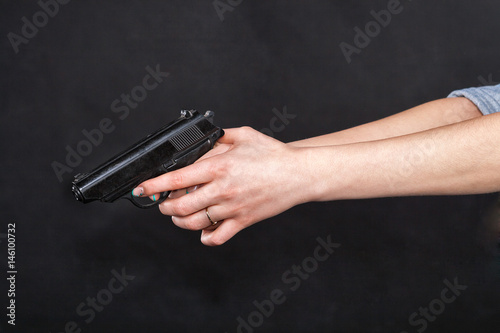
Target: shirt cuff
(487,99)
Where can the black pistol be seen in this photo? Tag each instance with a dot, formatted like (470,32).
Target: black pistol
(176,145)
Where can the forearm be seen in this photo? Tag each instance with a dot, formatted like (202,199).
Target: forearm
(250,177)
(423,117)
(463,158)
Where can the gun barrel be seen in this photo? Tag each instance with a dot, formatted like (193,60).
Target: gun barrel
(173,146)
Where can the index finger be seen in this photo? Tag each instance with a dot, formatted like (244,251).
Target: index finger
(219,148)
(190,175)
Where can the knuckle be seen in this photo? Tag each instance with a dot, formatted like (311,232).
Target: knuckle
(152,187)
(176,180)
(228,190)
(179,208)
(148,187)
(227,193)
(213,170)
(217,239)
(246,129)
(247,221)
(163,209)
(175,220)
(190,224)
(237,210)
(243,214)
(218,170)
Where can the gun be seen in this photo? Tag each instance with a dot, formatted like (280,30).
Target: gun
(176,145)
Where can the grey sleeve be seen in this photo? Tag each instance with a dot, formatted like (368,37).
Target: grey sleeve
(487,98)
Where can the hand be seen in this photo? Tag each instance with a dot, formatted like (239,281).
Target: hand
(246,178)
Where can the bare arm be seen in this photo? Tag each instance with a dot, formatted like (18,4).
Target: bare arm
(423,117)
(442,147)
(462,158)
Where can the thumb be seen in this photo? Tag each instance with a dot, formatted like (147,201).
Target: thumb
(233,135)
(218,149)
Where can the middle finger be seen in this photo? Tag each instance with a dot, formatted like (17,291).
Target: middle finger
(188,204)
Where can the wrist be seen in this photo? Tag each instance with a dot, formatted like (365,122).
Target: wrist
(320,172)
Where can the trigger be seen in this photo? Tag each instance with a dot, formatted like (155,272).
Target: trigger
(139,204)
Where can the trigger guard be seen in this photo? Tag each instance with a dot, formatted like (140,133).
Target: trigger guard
(162,198)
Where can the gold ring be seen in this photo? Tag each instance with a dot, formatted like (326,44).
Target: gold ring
(210,219)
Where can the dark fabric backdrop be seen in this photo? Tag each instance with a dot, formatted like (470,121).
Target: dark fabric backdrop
(395,253)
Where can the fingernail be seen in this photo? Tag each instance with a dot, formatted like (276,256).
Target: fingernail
(154,197)
(138,192)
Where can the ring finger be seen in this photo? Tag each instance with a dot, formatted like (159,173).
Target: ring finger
(201,219)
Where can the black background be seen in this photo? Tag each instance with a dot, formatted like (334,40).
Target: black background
(395,252)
